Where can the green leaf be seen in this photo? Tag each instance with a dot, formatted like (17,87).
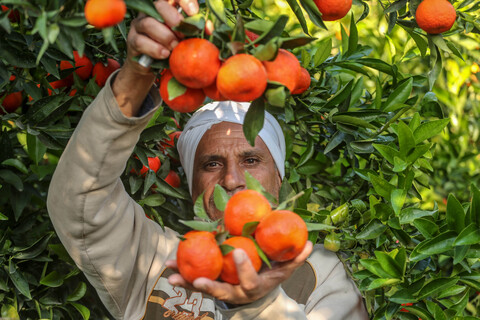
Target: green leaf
(249,228)
(323,51)
(470,235)
(32,251)
(220,197)
(353,37)
(199,208)
(399,96)
(299,14)
(398,197)
(16,164)
(313,13)
(276,96)
(48,109)
(218,9)
(340,96)
(427,227)
(408,215)
(297,41)
(307,154)
(372,230)
(387,152)
(378,283)
(18,279)
(455,214)
(53,280)
(144,6)
(153,200)
(201,225)
(11,178)
(474,211)
(418,151)
(254,120)
(406,140)
(389,264)
(311,226)
(226,249)
(78,293)
(36,149)
(353,121)
(9,312)
(439,244)
(435,286)
(175,89)
(374,267)
(84,311)
(381,186)
(335,140)
(429,129)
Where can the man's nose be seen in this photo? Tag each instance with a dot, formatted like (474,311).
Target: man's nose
(233,179)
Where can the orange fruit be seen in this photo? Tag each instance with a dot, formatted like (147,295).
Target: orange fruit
(105,13)
(212,92)
(243,207)
(333,9)
(189,101)
(251,36)
(284,69)
(199,256)
(153,163)
(83,63)
(242,78)
(303,81)
(13,16)
(281,235)
(101,72)
(11,102)
(173,179)
(170,143)
(195,62)
(435,16)
(229,270)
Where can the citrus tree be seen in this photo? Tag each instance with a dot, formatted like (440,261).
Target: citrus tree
(386,127)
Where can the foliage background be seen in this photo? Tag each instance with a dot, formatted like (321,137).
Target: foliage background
(368,146)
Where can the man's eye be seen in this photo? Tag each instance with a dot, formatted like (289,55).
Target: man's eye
(251,160)
(211,165)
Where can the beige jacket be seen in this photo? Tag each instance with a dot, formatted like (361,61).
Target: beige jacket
(123,253)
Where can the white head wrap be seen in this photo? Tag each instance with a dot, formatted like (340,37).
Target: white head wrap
(227,111)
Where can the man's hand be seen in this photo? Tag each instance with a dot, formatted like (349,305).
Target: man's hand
(253,285)
(155,39)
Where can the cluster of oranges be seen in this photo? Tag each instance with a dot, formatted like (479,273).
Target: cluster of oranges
(280,234)
(154,163)
(196,68)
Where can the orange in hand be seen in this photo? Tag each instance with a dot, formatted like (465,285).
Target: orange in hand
(243,207)
(229,271)
(189,101)
(105,13)
(242,78)
(195,62)
(435,16)
(285,69)
(199,256)
(282,235)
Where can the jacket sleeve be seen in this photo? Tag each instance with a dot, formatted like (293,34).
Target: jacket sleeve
(104,230)
(335,296)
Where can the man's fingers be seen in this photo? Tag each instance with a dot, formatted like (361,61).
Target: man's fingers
(177,280)
(172,264)
(157,31)
(169,13)
(141,43)
(189,6)
(249,279)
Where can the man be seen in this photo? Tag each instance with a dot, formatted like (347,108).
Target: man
(130,259)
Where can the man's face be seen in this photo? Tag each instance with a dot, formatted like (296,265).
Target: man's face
(222,157)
